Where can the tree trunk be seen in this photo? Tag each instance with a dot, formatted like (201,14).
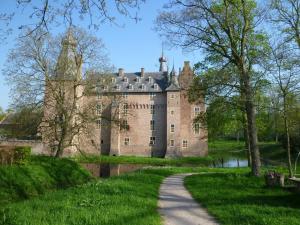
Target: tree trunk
(251,124)
(246,137)
(287,134)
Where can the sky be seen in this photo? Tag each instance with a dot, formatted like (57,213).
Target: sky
(130,47)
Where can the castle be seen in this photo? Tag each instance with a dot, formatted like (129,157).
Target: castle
(154,109)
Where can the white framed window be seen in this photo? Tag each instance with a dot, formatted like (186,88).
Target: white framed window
(152,95)
(125,79)
(125,109)
(113,80)
(197,128)
(152,141)
(172,128)
(124,125)
(196,111)
(150,80)
(98,109)
(152,109)
(172,143)
(155,86)
(118,87)
(138,80)
(130,87)
(184,143)
(143,87)
(126,141)
(98,123)
(152,124)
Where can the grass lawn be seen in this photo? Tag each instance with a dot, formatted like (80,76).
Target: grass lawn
(39,175)
(237,199)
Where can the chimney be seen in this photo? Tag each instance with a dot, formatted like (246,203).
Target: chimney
(142,72)
(121,72)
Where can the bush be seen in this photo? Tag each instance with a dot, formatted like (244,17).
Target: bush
(22,154)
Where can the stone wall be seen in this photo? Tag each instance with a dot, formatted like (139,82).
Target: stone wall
(37,147)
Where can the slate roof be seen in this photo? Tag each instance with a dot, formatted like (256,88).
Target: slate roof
(134,82)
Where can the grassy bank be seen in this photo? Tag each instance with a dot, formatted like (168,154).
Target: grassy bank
(127,199)
(244,200)
(196,161)
(38,176)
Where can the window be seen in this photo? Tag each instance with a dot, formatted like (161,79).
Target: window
(152,109)
(172,128)
(98,109)
(196,128)
(130,87)
(113,80)
(138,79)
(172,143)
(125,80)
(184,143)
(143,87)
(152,141)
(117,87)
(152,95)
(125,95)
(155,87)
(172,112)
(105,88)
(126,141)
(125,109)
(172,96)
(98,122)
(150,80)
(151,124)
(197,111)
(124,125)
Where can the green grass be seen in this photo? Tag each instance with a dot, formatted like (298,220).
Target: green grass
(244,200)
(39,175)
(127,199)
(196,161)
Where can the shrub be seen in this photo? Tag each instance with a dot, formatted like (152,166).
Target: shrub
(22,154)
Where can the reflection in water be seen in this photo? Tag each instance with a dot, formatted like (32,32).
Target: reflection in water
(230,163)
(105,170)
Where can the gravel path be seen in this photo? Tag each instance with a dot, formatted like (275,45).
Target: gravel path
(177,207)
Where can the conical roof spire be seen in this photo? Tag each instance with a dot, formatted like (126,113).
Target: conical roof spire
(162,60)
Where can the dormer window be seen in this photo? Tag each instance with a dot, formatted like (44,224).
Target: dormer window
(125,80)
(113,80)
(118,87)
(155,86)
(130,87)
(138,80)
(143,87)
(150,80)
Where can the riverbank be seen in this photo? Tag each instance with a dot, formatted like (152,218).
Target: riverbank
(244,200)
(38,176)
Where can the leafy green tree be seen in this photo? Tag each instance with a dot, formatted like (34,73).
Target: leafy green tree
(227,33)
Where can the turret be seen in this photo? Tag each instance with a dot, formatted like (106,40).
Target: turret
(69,63)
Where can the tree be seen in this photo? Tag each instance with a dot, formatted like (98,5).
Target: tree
(285,72)
(288,19)
(226,32)
(48,14)
(58,77)
(2,114)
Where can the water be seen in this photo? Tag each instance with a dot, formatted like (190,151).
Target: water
(230,163)
(105,170)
